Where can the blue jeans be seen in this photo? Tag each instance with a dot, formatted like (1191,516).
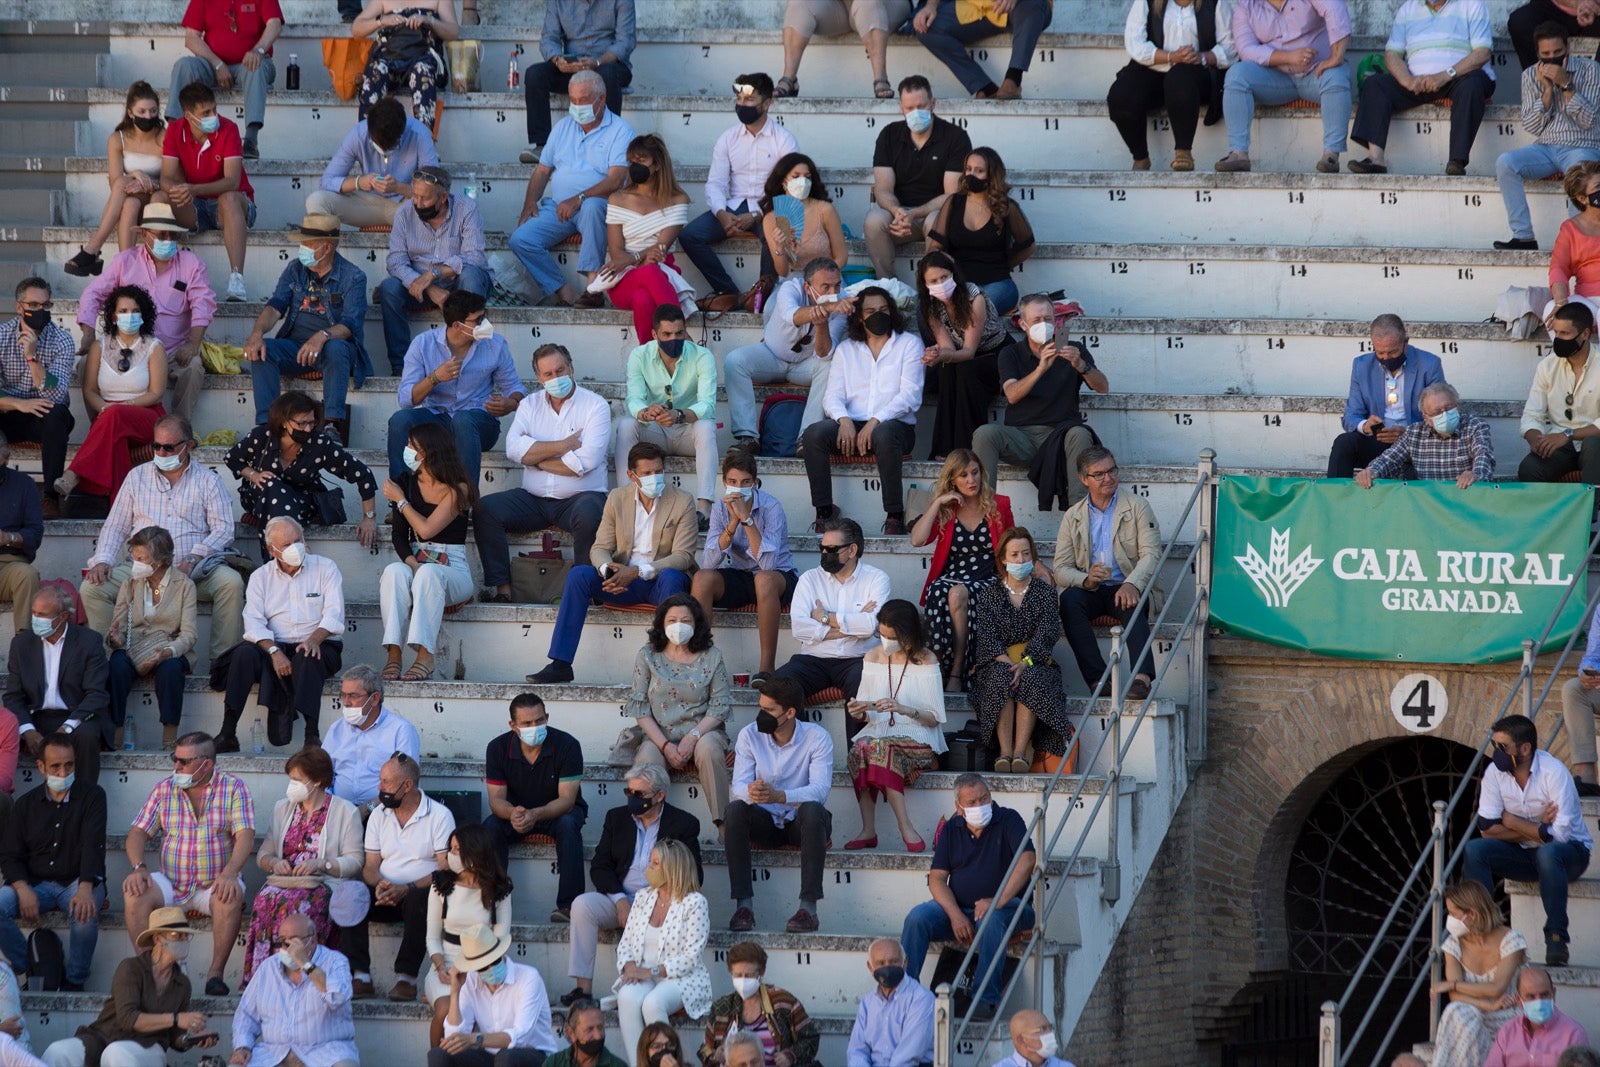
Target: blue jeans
(1532,161)
(1250,83)
(334,361)
(1001,295)
(567,830)
(583,586)
(475,431)
(700,238)
(947,39)
(395,301)
(531,242)
(1553,866)
(927,922)
(519,511)
(53,896)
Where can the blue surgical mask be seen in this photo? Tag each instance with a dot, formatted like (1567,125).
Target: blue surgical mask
(164,248)
(582,114)
(210,124)
(129,321)
(560,388)
(412,460)
(919,119)
(652,485)
(168,463)
(1538,1012)
(1446,422)
(43,627)
(495,973)
(1019,571)
(745,491)
(308,256)
(60,785)
(533,736)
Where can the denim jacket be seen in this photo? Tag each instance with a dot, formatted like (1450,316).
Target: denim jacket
(347,299)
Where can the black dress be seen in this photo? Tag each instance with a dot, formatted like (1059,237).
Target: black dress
(966,390)
(997,624)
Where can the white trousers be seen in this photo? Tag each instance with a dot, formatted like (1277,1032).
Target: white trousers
(69,1052)
(641,1003)
(413,602)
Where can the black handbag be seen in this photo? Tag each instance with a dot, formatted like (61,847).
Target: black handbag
(329,504)
(403,45)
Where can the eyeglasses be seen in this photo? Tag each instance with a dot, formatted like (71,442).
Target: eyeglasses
(126,361)
(431,175)
(1101,475)
(233,19)
(832,550)
(400,757)
(744,89)
(184,761)
(37,305)
(165,448)
(303,424)
(640,793)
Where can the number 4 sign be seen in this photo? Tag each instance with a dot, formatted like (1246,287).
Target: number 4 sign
(1419,703)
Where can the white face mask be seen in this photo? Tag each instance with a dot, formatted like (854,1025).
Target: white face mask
(354,715)
(1041,333)
(798,187)
(746,987)
(297,791)
(679,632)
(453,859)
(1455,927)
(483,330)
(943,290)
(890,645)
(1047,1043)
(178,949)
(141,569)
(293,555)
(978,817)
(60,785)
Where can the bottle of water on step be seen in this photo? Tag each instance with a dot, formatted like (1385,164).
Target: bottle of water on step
(128,741)
(258,742)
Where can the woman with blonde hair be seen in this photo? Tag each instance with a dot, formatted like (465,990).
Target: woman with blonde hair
(660,958)
(1481,958)
(643,219)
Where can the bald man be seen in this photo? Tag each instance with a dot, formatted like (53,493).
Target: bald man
(894,1022)
(1541,1031)
(1034,1040)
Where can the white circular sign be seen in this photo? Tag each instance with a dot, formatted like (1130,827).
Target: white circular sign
(1419,703)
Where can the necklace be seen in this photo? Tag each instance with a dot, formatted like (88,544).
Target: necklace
(894,686)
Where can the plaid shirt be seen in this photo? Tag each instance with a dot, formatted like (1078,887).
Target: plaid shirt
(1425,454)
(197,512)
(194,851)
(56,352)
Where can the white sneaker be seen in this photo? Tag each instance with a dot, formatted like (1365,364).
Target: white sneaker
(236,286)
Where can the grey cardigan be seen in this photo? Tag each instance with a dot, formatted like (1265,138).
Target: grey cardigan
(341,835)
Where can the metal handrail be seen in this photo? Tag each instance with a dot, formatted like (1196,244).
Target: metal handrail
(1331,1050)
(954,1028)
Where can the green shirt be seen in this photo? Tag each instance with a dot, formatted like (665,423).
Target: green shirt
(567,1058)
(692,386)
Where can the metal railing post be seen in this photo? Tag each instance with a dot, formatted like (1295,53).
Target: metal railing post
(1328,1035)
(1204,542)
(1436,964)
(1038,905)
(1527,677)
(1111,870)
(942,1052)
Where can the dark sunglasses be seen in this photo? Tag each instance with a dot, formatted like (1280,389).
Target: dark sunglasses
(126,361)
(1568,402)
(166,449)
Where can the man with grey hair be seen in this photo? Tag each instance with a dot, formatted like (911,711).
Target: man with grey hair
(1447,443)
(585,161)
(632,830)
(56,681)
(366,733)
(587,39)
(894,1022)
(293,628)
(743,1049)
(21,531)
(1385,396)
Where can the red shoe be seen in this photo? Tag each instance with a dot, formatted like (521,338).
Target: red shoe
(861,842)
(918,847)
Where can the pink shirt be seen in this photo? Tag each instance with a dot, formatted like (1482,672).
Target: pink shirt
(1518,1044)
(1576,255)
(177,309)
(1259,28)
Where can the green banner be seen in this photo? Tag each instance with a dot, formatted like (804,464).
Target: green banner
(1415,571)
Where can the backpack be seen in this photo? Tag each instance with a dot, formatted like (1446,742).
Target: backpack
(779,426)
(46,959)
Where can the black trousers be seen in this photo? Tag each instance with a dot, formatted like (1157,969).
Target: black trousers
(890,442)
(1138,90)
(1351,452)
(354,941)
(50,430)
(746,826)
(1382,96)
(1562,461)
(542,79)
(85,741)
(1522,21)
(1079,609)
(483,1057)
(300,695)
(816,673)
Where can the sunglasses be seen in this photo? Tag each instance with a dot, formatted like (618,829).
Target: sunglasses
(126,361)
(166,449)
(1568,402)
(640,793)
(743,88)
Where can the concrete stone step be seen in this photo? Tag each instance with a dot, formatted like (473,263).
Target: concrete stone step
(58,69)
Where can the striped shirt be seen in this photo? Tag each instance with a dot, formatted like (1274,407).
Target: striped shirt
(196,511)
(194,850)
(277,1016)
(1570,118)
(415,246)
(1425,454)
(1434,41)
(57,353)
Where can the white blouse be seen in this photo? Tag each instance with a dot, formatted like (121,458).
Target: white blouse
(639,231)
(1178,28)
(922,688)
(122,386)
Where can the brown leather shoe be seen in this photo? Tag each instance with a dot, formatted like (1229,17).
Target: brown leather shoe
(1139,689)
(801,922)
(1009,90)
(403,990)
(361,989)
(743,919)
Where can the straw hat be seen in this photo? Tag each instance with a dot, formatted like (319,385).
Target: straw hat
(480,947)
(165,920)
(159,217)
(318,225)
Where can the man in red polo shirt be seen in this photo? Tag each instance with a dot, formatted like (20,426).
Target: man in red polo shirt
(232,45)
(202,177)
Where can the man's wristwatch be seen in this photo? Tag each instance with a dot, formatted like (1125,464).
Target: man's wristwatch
(1451,72)
(273,650)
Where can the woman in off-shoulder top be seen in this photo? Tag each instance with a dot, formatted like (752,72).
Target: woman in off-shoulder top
(643,219)
(133,171)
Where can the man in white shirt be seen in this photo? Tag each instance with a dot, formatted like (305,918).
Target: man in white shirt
(365,735)
(1531,827)
(408,838)
(834,615)
(296,1009)
(293,628)
(782,771)
(499,1014)
(870,406)
(560,435)
(741,161)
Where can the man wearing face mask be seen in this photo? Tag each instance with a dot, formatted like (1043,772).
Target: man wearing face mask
(969,861)
(1542,1032)
(180,288)
(365,735)
(672,403)
(643,553)
(370,174)
(53,858)
(533,775)
(187,499)
(56,681)
(916,163)
(586,1030)
(618,869)
(461,375)
(322,300)
(293,638)
(1562,414)
(805,320)
(408,838)
(203,178)
(21,532)
(741,160)
(499,1013)
(1447,443)
(894,1022)
(231,45)
(1034,1039)
(296,1009)
(435,249)
(1530,827)
(1386,387)
(36,365)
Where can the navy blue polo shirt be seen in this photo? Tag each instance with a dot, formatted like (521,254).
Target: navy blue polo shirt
(532,785)
(978,863)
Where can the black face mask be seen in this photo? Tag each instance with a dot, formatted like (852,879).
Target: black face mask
(146,124)
(1567,347)
(1392,365)
(638,173)
(590,1048)
(889,976)
(300,437)
(974,183)
(656,1060)
(389,800)
(428,214)
(671,349)
(766,722)
(878,323)
(640,805)
(747,113)
(36,320)
(831,562)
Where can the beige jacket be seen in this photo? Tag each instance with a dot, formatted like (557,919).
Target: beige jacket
(174,617)
(1136,541)
(675,529)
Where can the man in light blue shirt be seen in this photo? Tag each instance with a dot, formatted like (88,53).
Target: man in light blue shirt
(585,162)
(460,374)
(1034,1039)
(297,1005)
(894,1023)
(369,177)
(579,36)
(672,403)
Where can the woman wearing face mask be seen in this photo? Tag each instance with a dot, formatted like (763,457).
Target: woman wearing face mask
(280,465)
(819,232)
(123,385)
(643,219)
(680,702)
(789,1037)
(1016,686)
(963,334)
(984,230)
(1481,958)
(966,518)
(431,501)
(133,162)
(153,631)
(316,837)
(660,957)
(1575,261)
(474,891)
(659,1047)
(901,704)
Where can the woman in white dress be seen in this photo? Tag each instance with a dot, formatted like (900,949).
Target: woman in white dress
(133,171)
(661,956)
(901,705)
(643,219)
(1481,958)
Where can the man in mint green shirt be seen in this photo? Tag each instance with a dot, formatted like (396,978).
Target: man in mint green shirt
(672,402)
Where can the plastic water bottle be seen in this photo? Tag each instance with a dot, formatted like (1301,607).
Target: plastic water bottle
(258,743)
(291,74)
(129,743)
(513,72)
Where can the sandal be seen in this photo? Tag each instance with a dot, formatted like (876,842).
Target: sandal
(391,671)
(882,89)
(417,672)
(786,86)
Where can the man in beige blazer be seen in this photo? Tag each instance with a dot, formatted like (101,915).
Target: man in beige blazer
(642,554)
